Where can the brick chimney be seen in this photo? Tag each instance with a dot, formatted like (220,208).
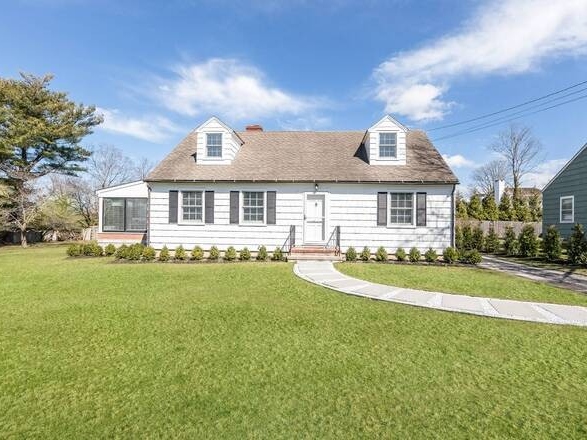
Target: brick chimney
(254,127)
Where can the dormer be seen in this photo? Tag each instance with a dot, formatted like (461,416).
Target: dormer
(217,143)
(385,142)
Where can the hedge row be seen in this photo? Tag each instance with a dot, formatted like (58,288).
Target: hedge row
(140,252)
(450,255)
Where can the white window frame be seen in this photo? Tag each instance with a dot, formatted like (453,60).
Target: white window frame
(401,225)
(387,145)
(180,219)
(560,210)
(208,145)
(242,220)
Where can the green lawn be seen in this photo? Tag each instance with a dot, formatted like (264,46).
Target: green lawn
(94,349)
(465,280)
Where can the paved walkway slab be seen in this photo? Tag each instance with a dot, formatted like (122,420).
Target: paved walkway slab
(324,274)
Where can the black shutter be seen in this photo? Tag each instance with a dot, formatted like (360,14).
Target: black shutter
(172,206)
(209,211)
(421,209)
(382,209)
(271,201)
(234,196)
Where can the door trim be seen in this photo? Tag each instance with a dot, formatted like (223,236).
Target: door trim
(325,197)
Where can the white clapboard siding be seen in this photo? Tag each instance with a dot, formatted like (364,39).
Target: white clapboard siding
(353,207)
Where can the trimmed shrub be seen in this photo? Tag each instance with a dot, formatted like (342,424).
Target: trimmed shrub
(414,255)
(551,245)
(510,243)
(470,257)
(149,253)
(180,254)
(491,241)
(365,254)
(467,242)
(214,254)
(381,254)
(577,247)
(164,254)
(528,242)
(477,238)
(277,254)
(74,250)
(92,249)
(245,254)
(431,256)
(197,253)
(109,250)
(400,254)
(135,251)
(262,253)
(351,254)
(459,239)
(121,253)
(230,254)
(450,255)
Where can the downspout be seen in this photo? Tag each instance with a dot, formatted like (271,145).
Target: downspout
(452,216)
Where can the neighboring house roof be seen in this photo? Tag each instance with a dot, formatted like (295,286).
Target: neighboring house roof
(565,167)
(306,156)
(525,192)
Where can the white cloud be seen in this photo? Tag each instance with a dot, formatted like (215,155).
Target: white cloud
(152,129)
(543,173)
(508,36)
(458,161)
(229,88)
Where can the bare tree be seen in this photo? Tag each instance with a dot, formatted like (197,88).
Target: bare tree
(521,151)
(485,176)
(142,167)
(81,195)
(108,166)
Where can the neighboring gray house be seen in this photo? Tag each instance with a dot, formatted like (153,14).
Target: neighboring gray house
(564,198)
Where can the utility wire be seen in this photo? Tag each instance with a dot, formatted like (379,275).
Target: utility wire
(509,108)
(500,120)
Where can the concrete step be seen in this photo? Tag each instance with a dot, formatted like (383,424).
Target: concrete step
(312,250)
(308,256)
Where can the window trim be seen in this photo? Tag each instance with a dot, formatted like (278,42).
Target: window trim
(180,220)
(208,156)
(411,225)
(242,220)
(379,145)
(560,210)
(124,229)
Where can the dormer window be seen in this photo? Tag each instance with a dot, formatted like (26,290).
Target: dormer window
(388,145)
(214,144)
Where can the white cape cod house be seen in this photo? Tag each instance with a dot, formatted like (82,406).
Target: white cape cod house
(385,186)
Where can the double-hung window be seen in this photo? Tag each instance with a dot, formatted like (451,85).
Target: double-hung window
(388,145)
(124,214)
(401,209)
(214,144)
(567,209)
(191,206)
(253,207)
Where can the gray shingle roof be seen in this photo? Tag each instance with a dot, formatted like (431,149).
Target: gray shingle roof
(306,156)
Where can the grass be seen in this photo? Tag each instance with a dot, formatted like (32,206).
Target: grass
(90,349)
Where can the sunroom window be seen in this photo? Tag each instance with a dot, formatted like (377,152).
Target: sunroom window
(124,215)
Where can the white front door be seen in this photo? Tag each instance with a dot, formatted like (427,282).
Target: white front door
(314,229)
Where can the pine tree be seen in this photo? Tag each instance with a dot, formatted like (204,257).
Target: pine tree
(505,208)
(462,210)
(40,134)
(521,211)
(490,209)
(551,245)
(535,207)
(475,208)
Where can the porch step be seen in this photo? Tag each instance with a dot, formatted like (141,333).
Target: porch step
(312,250)
(306,256)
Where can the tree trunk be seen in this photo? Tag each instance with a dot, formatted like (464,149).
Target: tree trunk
(23,240)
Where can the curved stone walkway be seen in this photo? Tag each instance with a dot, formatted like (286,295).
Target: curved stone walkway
(324,274)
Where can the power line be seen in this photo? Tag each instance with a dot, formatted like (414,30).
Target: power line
(501,120)
(485,116)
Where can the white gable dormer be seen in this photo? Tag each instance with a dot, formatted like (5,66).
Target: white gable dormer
(217,143)
(385,142)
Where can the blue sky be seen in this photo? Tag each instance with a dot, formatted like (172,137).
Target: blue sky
(156,69)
